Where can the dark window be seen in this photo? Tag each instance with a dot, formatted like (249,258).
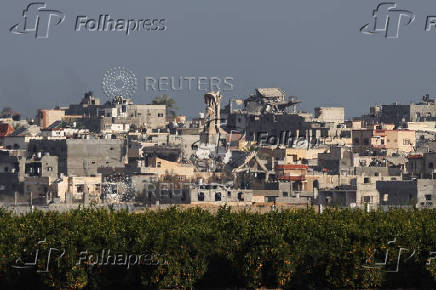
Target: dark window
(270,199)
(241,196)
(218,196)
(201,196)
(430,165)
(366,199)
(285,193)
(356,141)
(366,141)
(366,180)
(428,197)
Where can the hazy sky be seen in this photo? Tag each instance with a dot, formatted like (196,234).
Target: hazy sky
(310,49)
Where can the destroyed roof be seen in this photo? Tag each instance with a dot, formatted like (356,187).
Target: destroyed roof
(26,131)
(57,125)
(270,92)
(5,129)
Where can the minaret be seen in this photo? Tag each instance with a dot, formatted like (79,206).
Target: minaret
(212,129)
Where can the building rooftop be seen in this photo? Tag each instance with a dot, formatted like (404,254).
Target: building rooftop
(270,92)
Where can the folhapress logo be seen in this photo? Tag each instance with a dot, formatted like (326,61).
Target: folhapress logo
(388,20)
(38,20)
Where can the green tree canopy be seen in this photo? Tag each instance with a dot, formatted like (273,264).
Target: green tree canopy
(169,102)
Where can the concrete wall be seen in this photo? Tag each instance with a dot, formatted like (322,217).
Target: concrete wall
(48,117)
(402,140)
(330,114)
(83,157)
(219,195)
(361,140)
(426,197)
(422,112)
(147,116)
(395,114)
(397,193)
(86,156)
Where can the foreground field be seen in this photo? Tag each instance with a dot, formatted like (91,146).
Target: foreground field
(97,248)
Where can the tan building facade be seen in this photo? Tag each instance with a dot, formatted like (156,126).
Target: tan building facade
(48,117)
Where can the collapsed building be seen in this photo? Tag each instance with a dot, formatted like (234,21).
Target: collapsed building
(117,115)
(268,111)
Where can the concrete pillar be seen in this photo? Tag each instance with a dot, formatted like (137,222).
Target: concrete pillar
(68,197)
(85,198)
(315,193)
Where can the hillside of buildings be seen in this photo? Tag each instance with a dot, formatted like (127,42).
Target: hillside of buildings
(251,150)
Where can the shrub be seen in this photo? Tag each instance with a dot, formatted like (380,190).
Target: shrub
(195,248)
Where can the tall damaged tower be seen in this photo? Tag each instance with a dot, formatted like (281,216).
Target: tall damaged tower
(212,132)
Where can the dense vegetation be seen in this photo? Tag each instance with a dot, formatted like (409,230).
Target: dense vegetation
(194,248)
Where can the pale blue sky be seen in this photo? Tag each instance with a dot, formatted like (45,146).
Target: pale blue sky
(311,49)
